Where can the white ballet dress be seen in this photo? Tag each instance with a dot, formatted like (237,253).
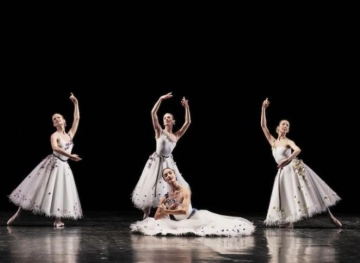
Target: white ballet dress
(195,223)
(298,192)
(50,188)
(151,186)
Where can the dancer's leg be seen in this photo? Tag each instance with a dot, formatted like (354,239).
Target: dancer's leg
(146,211)
(14,217)
(333,219)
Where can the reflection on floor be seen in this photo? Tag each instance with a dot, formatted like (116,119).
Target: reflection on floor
(105,237)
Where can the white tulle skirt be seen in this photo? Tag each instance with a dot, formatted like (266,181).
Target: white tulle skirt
(298,193)
(151,186)
(202,223)
(49,189)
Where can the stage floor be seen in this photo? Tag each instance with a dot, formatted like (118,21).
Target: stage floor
(105,237)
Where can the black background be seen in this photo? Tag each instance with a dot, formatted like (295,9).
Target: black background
(225,70)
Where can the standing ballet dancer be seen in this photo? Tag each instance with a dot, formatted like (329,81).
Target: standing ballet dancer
(50,188)
(151,187)
(298,192)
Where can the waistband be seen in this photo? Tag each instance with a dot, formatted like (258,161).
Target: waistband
(59,158)
(193,211)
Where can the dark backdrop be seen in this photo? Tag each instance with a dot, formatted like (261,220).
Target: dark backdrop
(308,77)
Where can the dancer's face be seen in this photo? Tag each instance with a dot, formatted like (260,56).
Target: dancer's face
(168,175)
(168,119)
(284,126)
(58,119)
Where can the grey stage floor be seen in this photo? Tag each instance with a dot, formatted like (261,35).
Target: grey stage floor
(105,237)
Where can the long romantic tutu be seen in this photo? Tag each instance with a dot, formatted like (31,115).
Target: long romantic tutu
(49,189)
(298,193)
(202,223)
(151,185)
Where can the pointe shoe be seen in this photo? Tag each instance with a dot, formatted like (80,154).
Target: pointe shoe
(59,224)
(336,222)
(12,219)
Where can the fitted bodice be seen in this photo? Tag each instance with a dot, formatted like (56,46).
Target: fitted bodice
(169,202)
(280,153)
(66,146)
(164,145)
(188,213)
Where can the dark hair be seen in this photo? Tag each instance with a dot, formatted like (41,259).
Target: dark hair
(277,127)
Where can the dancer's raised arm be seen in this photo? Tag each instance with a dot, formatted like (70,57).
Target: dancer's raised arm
(76,117)
(263,123)
(187,122)
(154,111)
